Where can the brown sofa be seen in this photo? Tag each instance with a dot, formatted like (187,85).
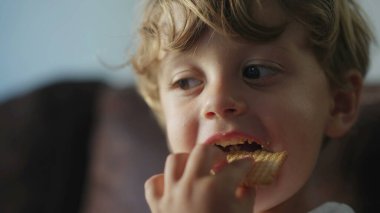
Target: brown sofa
(71,146)
(85,147)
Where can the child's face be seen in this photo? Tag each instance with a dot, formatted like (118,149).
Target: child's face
(275,92)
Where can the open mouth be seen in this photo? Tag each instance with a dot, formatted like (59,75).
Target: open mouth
(238,145)
(266,163)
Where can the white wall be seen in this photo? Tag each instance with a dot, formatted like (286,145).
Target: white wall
(372,9)
(45,40)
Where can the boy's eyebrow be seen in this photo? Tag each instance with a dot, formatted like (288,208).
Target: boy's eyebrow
(282,49)
(170,60)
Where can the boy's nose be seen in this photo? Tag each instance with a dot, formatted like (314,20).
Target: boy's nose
(223,106)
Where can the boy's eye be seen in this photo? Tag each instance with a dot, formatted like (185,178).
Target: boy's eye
(253,72)
(187,83)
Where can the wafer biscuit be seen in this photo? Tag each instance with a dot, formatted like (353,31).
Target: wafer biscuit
(266,165)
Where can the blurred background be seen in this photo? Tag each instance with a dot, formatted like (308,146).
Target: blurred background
(42,41)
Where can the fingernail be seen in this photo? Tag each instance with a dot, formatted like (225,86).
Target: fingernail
(219,166)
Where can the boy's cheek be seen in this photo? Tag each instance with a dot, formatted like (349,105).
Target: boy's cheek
(179,137)
(182,128)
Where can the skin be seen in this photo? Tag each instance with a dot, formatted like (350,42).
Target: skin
(208,94)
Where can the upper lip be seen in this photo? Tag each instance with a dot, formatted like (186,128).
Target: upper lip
(233,137)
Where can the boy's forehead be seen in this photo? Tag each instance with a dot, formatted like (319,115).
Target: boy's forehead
(268,13)
(293,39)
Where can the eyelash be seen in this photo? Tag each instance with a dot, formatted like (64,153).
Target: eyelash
(263,77)
(260,68)
(188,83)
(184,83)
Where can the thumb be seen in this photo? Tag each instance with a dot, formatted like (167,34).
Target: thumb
(246,195)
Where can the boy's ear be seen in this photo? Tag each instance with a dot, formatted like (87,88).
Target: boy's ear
(345,106)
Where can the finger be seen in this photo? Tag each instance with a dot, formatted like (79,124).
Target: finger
(174,168)
(154,189)
(246,196)
(202,159)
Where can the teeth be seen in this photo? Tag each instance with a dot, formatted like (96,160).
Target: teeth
(226,143)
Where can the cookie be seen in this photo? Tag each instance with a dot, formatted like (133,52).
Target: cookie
(266,165)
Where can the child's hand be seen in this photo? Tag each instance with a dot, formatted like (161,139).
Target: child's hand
(187,186)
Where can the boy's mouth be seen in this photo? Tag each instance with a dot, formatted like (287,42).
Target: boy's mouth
(266,163)
(234,145)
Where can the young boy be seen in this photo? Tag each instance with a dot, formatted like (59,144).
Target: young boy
(286,75)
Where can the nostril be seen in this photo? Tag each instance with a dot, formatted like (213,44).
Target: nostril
(230,111)
(210,114)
